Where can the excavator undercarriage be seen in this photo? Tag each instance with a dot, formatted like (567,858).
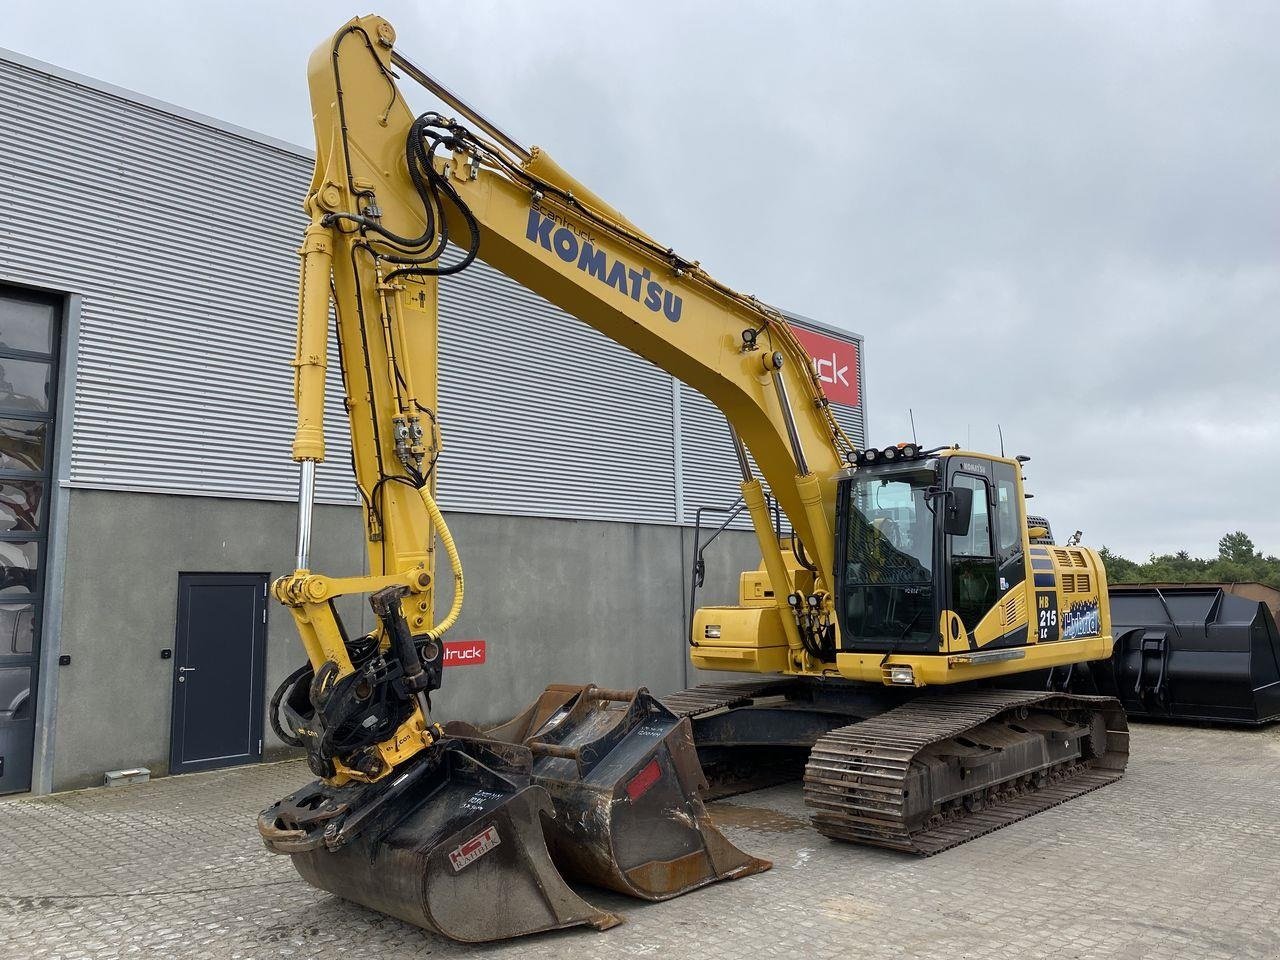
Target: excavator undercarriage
(922,776)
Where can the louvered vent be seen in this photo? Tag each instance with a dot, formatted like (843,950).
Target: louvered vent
(1075,582)
(1015,608)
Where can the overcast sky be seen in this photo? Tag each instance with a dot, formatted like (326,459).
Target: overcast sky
(1060,218)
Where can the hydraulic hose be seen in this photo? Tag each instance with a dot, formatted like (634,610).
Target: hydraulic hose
(455,562)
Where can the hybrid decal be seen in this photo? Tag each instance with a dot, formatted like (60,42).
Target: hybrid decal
(1081,620)
(572,246)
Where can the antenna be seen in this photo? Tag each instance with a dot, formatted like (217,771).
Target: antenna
(913,425)
(1001,433)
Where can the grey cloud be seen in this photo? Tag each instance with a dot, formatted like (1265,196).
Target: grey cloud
(1061,218)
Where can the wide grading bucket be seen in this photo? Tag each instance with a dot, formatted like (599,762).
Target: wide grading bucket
(454,844)
(623,774)
(1192,653)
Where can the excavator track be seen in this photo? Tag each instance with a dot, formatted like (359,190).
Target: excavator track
(709,697)
(962,751)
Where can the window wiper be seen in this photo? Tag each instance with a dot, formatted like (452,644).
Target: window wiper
(911,624)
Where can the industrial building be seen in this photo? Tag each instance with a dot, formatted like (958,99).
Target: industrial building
(147,306)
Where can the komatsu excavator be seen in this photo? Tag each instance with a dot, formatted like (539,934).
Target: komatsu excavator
(887,633)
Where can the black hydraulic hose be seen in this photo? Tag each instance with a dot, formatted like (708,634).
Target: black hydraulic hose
(277,698)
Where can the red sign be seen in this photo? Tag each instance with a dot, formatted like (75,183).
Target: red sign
(463,653)
(474,849)
(837,362)
(642,781)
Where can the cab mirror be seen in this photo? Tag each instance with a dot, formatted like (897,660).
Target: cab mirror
(959,512)
(1037,533)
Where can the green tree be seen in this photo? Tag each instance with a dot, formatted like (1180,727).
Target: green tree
(1238,547)
(1238,560)
(1119,569)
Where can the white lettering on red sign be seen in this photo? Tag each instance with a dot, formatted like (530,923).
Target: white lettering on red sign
(474,849)
(464,653)
(836,362)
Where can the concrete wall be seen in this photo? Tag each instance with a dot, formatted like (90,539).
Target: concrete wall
(557,601)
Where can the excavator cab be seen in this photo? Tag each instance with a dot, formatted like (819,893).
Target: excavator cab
(941,576)
(920,535)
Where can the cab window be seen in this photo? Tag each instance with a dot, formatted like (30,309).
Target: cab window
(977,542)
(1008,528)
(974,581)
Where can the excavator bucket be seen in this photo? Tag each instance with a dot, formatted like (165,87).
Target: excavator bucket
(455,845)
(1192,652)
(623,774)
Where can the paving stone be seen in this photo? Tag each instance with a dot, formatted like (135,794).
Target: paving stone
(1178,860)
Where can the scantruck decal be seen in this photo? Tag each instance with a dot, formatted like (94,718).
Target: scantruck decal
(464,653)
(836,362)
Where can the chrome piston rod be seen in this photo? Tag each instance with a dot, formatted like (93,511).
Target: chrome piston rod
(306,503)
(793,435)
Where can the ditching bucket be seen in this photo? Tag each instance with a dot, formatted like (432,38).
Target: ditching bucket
(623,774)
(455,845)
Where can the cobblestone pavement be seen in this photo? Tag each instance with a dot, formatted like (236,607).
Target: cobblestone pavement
(1178,860)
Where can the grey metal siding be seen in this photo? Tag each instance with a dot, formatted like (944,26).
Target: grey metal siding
(542,415)
(180,239)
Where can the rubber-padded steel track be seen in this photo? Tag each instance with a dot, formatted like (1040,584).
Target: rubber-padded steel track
(856,778)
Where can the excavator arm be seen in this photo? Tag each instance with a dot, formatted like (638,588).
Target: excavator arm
(399,200)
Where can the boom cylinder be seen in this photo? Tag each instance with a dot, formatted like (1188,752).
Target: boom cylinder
(771,553)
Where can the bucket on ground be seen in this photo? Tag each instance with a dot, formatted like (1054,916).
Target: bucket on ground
(454,844)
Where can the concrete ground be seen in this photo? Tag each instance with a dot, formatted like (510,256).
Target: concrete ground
(1178,860)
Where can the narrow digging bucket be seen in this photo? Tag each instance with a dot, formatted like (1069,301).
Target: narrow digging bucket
(454,845)
(623,774)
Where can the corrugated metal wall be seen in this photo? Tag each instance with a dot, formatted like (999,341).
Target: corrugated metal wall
(180,236)
(542,415)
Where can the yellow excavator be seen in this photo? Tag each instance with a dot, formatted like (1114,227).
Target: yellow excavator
(910,641)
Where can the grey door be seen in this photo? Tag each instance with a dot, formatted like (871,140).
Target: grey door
(219,660)
(30,325)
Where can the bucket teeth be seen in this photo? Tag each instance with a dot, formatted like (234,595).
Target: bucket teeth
(623,774)
(455,845)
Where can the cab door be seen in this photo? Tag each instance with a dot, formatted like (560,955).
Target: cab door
(973,581)
(1010,530)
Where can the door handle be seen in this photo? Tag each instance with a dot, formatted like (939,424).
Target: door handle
(185,669)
